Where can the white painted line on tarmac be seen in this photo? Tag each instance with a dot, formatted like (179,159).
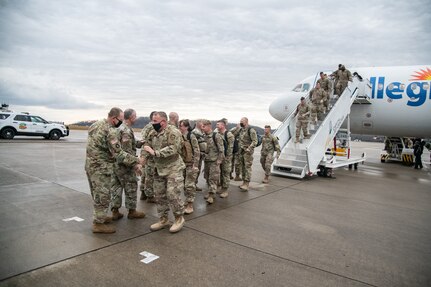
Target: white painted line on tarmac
(149,257)
(75,218)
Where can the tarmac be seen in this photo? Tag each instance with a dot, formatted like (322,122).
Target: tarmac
(365,227)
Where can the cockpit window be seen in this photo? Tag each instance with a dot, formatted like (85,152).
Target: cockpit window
(297,88)
(301,87)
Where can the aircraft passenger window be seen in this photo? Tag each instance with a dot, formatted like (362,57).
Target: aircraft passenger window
(414,86)
(425,86)
(305,87)
(391,87)
(380,87)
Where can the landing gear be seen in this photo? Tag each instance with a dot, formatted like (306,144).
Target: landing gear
(325,172)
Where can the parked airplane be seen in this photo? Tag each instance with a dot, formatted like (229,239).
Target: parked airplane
(399,105)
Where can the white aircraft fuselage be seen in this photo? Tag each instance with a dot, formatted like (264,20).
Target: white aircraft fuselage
(400,101)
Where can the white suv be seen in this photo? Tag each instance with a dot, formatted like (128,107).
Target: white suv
(13,123)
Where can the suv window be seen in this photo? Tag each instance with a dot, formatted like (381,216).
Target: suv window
(22,118)
(4,116)
(36,119)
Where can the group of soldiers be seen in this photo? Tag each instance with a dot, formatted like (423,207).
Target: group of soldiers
(170,160)
(320,96)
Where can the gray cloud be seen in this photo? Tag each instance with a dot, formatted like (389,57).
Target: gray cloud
(231,56)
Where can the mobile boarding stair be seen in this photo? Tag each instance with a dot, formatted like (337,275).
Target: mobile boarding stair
(311,156)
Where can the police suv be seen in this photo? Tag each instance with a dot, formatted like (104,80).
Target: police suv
(25,124)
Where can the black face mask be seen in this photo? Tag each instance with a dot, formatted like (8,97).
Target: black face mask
(241,124)
(157,127)
(117,125)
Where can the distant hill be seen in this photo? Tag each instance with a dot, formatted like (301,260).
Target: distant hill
(143,121)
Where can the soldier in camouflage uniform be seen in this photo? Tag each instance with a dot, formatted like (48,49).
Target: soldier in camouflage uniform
(197,131)
(226,164)
(147,180)
(303,113)
(191,154)
(344,76)
(124,176)
(317,96)
(165,147)
(236,160)
(103,149)
(247,143)
(336,76)
(325,84)
(269,146)
(174,119)
(214,156)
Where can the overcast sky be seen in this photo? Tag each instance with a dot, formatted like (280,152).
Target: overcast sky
(73,60)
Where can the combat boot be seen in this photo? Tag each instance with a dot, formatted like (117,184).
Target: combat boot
(178,224)
(244,186)
(297,140)
(116,214)
(266,179)
(143,196)
(210,198)
(162,223)
(135,214)
(151,199)
(107,219)
(224,193)
(237,178)
(103,228)
(189,208)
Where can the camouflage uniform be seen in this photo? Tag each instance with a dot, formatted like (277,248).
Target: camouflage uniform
(247,144)
(344,76)
(214,155)
(202,148)
(192,171)
(325,84)
(269,146)
(103,149)
(236,160)
(147,179)
(168,174)
(317,98)
(226,164)
(303,112)
(124,176)
(336,75)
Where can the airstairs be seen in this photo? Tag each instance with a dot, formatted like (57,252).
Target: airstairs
(306,157)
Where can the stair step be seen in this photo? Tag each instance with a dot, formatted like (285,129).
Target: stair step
(290,162)
(299,157)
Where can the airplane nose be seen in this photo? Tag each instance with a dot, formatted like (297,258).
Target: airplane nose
(279,109)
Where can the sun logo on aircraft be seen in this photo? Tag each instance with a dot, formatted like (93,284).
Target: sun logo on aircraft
(422,75)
